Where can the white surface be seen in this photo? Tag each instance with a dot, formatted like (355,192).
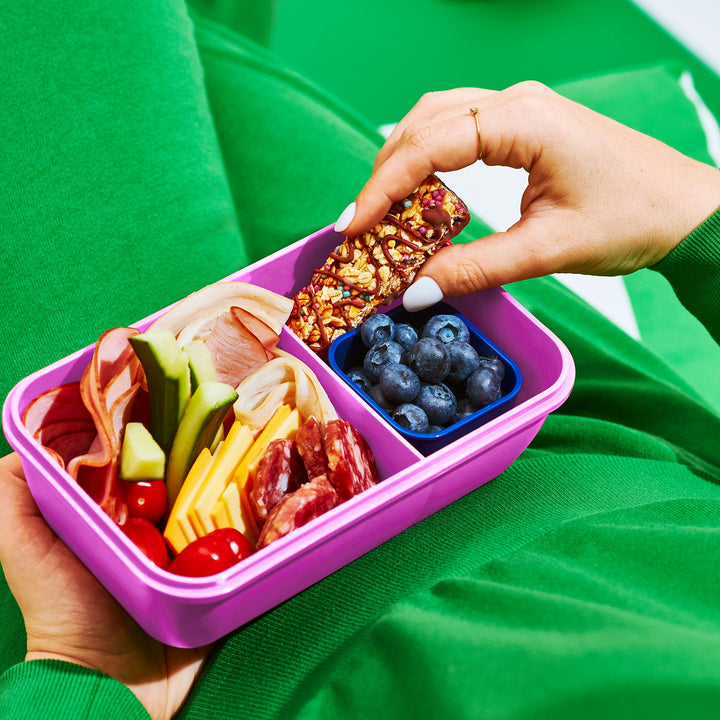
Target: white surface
(695,23)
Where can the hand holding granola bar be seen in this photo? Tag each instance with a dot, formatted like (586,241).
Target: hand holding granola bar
(601,198)
(377,266)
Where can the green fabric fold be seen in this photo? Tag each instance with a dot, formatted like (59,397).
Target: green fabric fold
(294,155)
(115,201)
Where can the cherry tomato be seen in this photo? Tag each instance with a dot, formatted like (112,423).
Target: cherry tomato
(146,499)
(212,553)
(148,540)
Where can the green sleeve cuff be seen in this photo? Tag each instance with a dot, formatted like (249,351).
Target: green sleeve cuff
(693,269)
(53,689)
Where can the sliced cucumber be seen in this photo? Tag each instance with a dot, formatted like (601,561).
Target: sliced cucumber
(141,458)
(202,367)
(168,380)
(198,428)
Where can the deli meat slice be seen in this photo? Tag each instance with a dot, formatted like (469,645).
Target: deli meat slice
(351,462)
(311,446)
(264,333)
(190,318)
(60,404)
(108,388)
(281,380)
(235,349)
(297,509)
(279,472)
(60,422)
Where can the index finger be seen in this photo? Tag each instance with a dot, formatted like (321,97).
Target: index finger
(431,108)
(512,123)
(449,144)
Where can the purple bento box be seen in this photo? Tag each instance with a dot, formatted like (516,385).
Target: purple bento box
(189,612)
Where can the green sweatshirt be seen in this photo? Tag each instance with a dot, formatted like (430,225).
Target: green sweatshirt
(579,583)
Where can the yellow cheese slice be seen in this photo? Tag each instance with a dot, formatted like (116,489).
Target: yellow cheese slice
(178,531)
(227,513)
(281,425)
(247,511)
(235,506)
(224,465)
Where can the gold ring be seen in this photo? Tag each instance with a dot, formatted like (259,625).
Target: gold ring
(474,112)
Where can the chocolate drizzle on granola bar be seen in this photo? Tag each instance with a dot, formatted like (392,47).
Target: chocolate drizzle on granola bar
(343,304)
(437,216)
(398,240)
(348,283)
(321,325)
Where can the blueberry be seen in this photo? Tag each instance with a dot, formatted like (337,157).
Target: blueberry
(483,387)
(434,429)
(376,394)
(357,375)
(430,359)
(377,328)
(406,335)
(494,362)
(381,354)
(465,408)
(439,403)
(399,384)
(411,417)
(446,328)
(464,360)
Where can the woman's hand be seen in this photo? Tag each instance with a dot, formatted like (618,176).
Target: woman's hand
(601,198)
(70,616)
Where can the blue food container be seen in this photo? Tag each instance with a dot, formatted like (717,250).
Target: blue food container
(347,352)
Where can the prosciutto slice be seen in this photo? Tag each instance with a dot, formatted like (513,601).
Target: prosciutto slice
(60,422)
(108,387)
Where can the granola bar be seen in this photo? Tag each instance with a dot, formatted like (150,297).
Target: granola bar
(376,267)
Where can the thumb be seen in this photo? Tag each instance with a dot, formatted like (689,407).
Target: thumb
(494,260)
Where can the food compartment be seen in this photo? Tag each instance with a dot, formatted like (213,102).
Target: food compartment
(348,351)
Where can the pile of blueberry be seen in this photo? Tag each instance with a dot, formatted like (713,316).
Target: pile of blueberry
(429,378)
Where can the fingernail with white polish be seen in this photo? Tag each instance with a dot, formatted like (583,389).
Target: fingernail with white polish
(345,217)
(423,293)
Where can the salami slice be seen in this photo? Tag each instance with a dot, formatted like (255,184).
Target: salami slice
(311,446)
(297,509)
(279,472)
(351,462)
